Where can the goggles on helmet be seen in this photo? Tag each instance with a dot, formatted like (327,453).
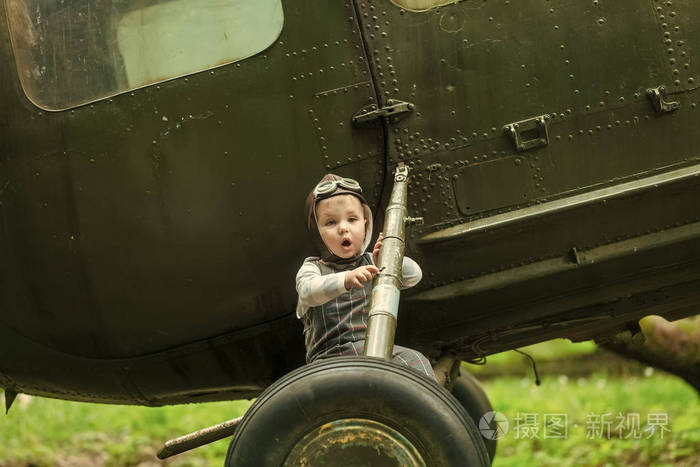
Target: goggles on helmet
(328,187)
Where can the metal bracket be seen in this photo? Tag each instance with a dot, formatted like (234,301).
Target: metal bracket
(576,256)
(529,134)
(656,95)
(371,113)
(401,173)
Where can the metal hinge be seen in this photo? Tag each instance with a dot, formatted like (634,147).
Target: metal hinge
(656,95)
(393,107)
(530,133)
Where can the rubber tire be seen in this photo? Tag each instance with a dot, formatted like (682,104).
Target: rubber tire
(356,387)
(468,391)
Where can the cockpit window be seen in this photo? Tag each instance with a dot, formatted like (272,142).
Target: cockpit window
(422,5)
(71,52)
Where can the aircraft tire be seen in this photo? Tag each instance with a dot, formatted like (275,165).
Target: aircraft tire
(356,411)
(468,391)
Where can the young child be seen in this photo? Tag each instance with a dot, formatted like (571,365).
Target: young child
(335,288)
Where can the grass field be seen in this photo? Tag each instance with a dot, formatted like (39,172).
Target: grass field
(592,408)
(44,432)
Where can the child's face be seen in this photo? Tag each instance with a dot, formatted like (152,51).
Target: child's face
(341,223)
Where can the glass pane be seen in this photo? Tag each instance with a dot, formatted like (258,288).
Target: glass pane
(70,52)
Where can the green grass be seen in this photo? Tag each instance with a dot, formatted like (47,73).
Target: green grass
(46,432)
(610,385)
(583,400)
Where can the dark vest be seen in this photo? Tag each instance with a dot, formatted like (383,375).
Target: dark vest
(330,329)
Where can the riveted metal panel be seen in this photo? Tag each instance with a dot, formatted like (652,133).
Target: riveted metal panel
(679,29)
(472,67)
(494,184)
(112,206)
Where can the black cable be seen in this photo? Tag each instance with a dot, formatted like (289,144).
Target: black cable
(534,366)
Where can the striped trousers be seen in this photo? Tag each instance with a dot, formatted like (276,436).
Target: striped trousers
(410,358)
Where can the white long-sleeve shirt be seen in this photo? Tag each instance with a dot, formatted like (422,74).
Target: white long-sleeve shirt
(315,289)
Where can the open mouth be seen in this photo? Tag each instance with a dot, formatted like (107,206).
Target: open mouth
(346,242)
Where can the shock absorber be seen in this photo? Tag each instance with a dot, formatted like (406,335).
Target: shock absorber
(384,303)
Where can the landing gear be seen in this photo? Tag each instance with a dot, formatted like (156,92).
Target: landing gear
(360,411)
(354,411)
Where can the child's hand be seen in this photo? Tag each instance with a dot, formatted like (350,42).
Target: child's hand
(357,277)
(377,246)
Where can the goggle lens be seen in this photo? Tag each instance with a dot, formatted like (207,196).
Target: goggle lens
(325,188)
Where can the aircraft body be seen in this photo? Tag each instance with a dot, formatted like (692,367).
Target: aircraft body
(151,200)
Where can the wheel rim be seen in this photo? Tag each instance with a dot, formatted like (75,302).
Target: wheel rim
(355,442)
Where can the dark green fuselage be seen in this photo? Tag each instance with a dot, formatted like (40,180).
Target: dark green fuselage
(149,241)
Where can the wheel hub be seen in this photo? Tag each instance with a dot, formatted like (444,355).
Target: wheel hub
(354,442)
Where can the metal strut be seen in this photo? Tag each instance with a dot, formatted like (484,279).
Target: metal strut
(384,303)
(198,438)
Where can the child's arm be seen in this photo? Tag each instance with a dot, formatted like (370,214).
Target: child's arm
(356,278)
(411,272)
(315,289)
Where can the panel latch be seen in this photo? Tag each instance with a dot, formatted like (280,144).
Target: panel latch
(393,107)
(529,134)
(656,95)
